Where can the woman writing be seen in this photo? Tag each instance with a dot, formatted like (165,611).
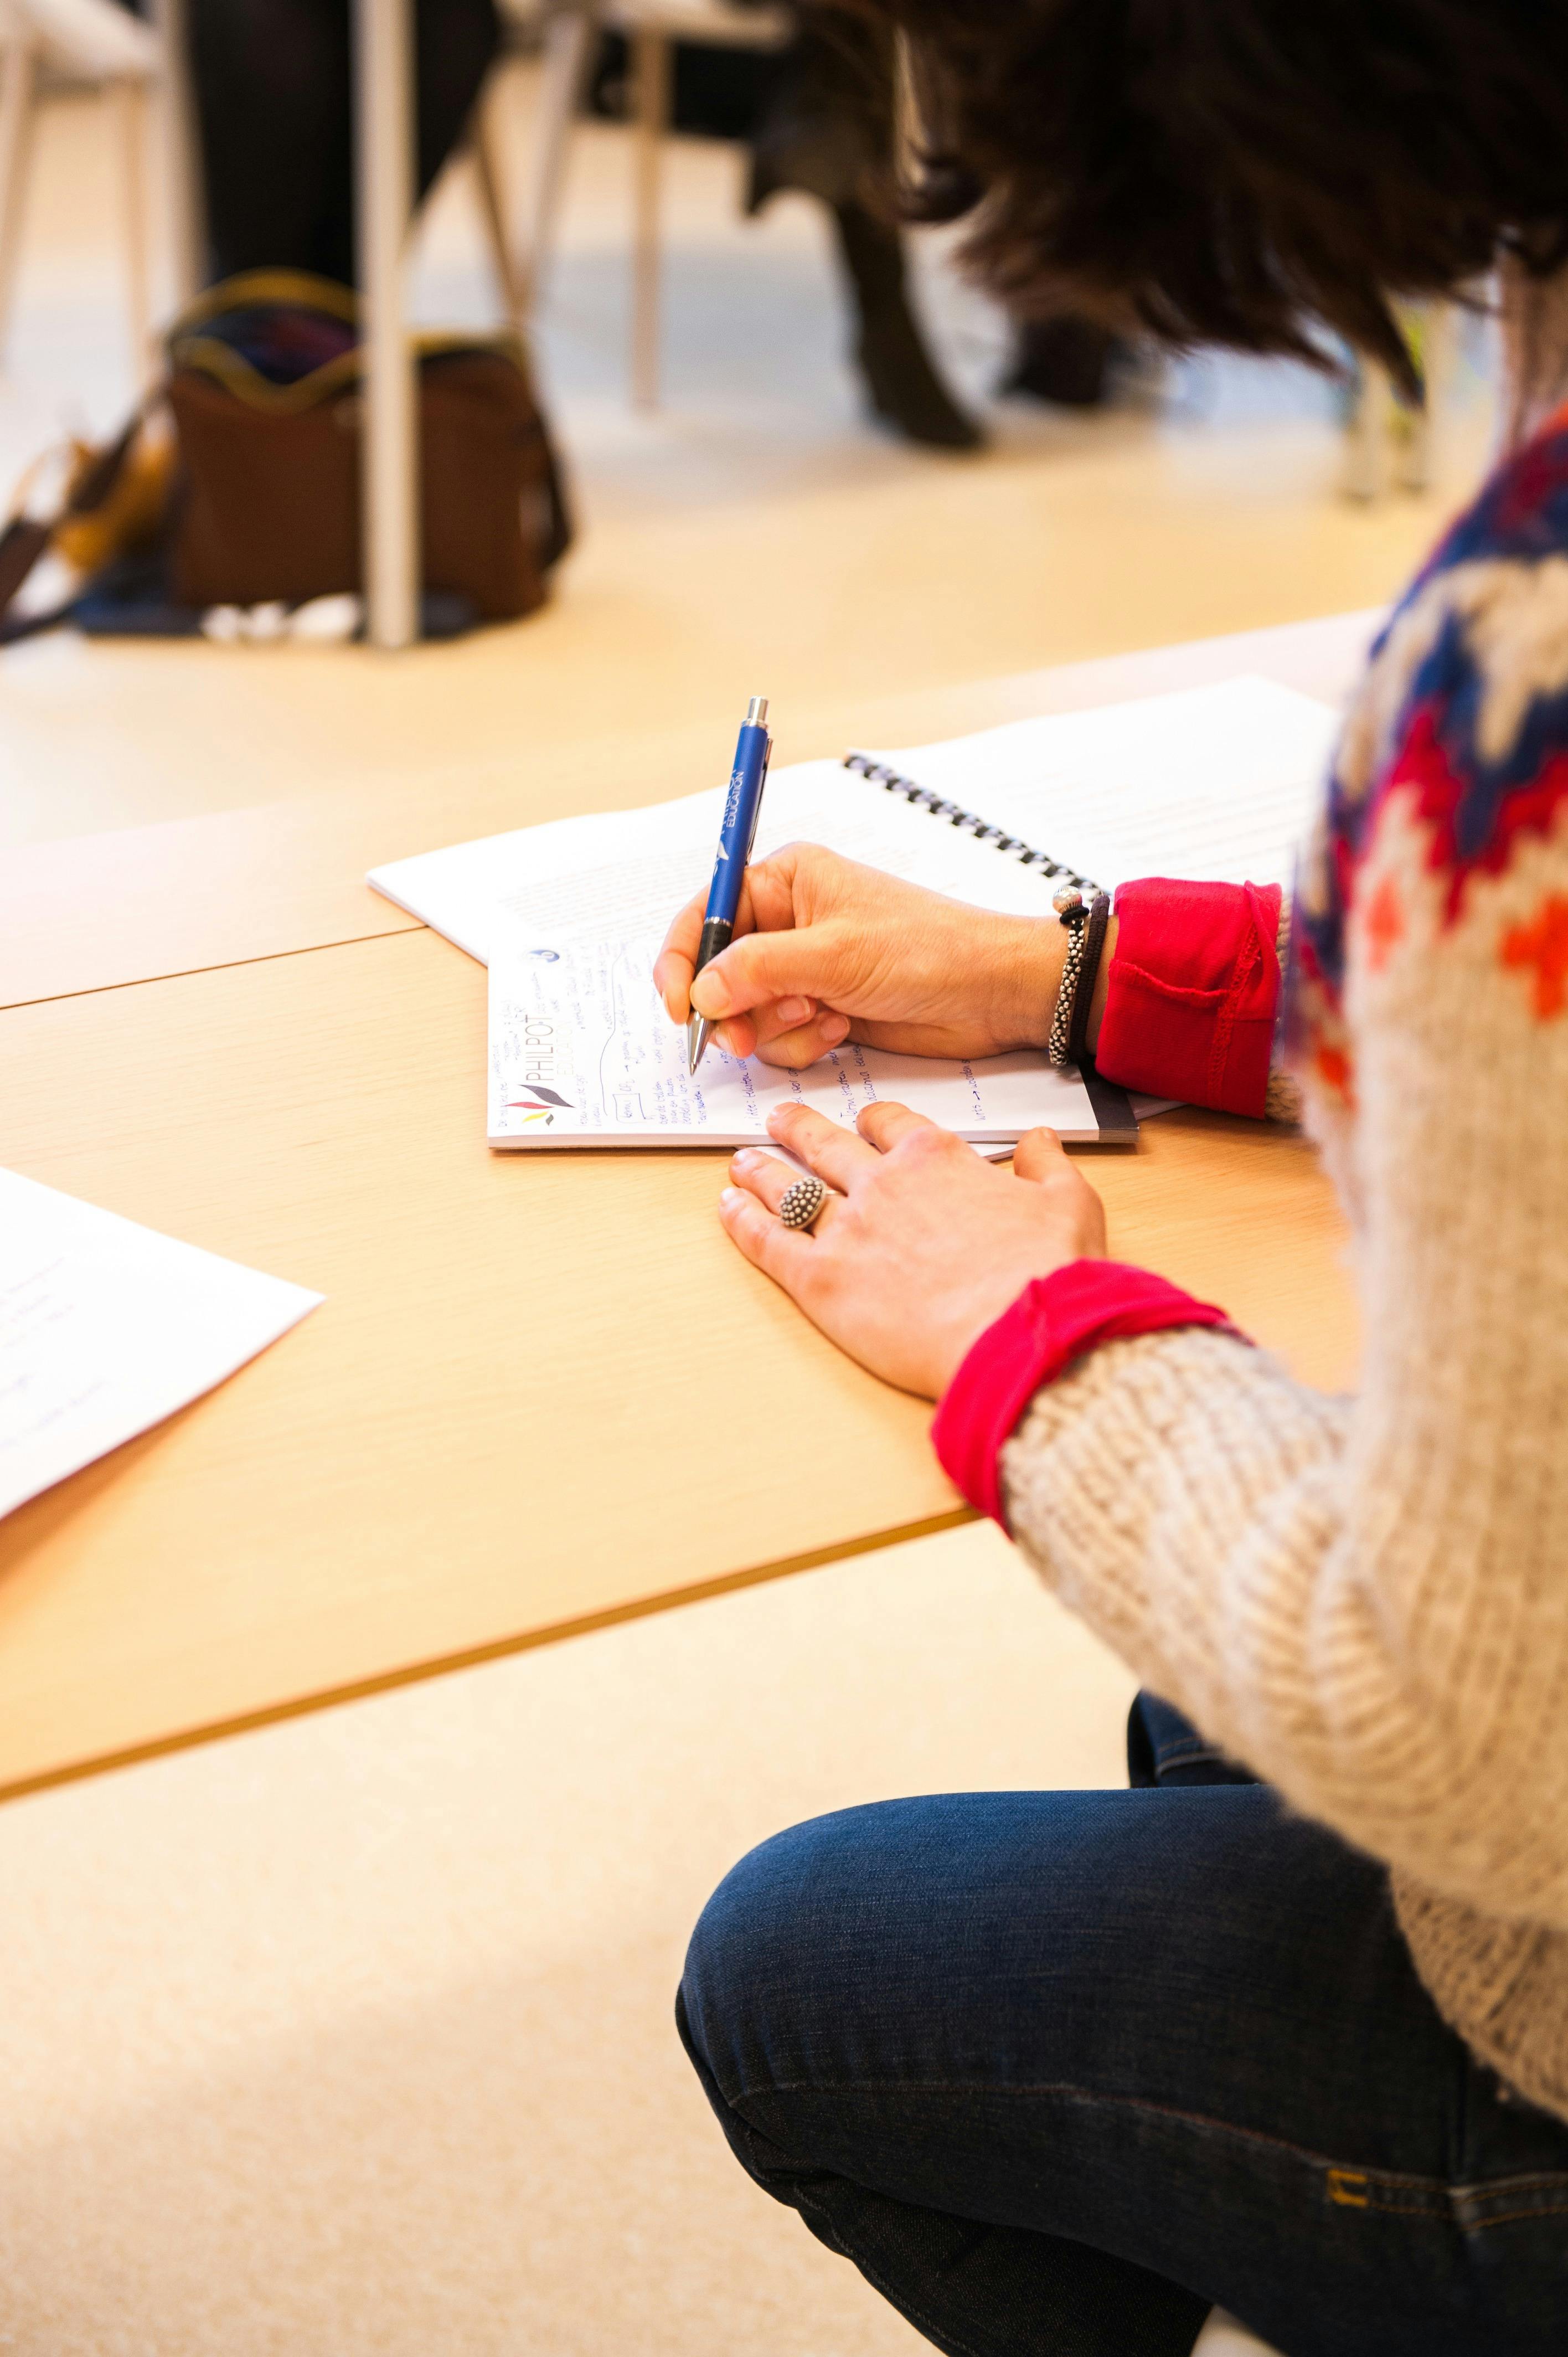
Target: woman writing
(1287,2030)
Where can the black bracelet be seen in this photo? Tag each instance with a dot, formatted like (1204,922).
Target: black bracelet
(1084,980)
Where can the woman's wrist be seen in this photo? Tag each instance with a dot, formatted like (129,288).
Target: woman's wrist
(1026,979)
(1028,976)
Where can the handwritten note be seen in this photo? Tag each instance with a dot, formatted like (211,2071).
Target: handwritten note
(582,1053)
(106,1327)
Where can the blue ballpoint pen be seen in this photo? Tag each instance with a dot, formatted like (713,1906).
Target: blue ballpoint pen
(742,804)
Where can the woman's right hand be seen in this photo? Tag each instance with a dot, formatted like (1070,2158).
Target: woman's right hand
(824,947)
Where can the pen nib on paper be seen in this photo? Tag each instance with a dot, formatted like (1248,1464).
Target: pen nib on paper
(698,1034)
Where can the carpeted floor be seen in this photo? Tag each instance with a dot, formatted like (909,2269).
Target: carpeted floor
(354,2036)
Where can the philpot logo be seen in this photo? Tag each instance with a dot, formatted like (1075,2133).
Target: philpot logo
(539,1104)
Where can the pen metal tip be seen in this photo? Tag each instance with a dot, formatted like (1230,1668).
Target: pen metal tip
(698,1034)
(757,711)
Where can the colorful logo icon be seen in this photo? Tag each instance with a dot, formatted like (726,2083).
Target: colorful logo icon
(539,1104)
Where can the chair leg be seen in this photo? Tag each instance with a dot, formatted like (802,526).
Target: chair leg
(569,37)
(651,61)
(1367,437)
(129,100)
(185,197)
(17,103)
(490,183)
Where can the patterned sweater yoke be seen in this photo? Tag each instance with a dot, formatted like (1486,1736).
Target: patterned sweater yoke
(1366,1599)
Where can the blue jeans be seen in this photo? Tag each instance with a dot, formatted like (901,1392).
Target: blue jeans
(1060,2071)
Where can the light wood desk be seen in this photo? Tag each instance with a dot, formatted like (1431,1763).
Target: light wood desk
(484,1438)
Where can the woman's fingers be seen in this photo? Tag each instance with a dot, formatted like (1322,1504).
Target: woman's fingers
(791,1046)
(783,1253)
(763,1176)
(737,1037)
(764,967)
(1037,1154)
(676,964)
(784,1014)
(834,1154)
(885,1124)
(677,960)
(807,1043)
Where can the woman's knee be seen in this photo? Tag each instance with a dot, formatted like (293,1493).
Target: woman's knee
(745,1973)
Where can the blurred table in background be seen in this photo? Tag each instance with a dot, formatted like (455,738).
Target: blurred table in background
(486,1439)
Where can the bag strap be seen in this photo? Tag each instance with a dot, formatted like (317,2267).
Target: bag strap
(26,539)
(22,543)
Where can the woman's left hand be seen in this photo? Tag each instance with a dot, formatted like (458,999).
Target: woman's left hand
(922,1245)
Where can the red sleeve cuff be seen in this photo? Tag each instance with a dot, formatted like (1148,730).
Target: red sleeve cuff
(1054,1322)
(1192,993)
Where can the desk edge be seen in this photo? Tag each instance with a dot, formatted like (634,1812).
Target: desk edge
(470,1657)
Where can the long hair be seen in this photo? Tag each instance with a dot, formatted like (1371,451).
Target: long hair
(1231,171)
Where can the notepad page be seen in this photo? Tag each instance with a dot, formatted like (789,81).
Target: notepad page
(1216,783)
(106,1327)
(582,1053)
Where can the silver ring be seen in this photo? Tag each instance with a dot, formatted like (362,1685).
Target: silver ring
(801,1202)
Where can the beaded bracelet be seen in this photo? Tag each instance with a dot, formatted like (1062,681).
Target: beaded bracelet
(1069,1039)
(1070,908)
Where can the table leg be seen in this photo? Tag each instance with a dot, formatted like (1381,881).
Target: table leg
(18,69)
(651,71)
(383,157)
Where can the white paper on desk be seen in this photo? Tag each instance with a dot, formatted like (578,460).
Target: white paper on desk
(624,874)
(1214,782)
(582,1053)
(106,1327)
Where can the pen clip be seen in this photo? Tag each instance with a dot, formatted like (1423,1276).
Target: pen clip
(757,802)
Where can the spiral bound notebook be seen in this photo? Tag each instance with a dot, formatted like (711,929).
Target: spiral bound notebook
(935,805)
(1212,782)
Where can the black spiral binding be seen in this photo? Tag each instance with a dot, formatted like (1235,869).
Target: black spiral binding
(923,799)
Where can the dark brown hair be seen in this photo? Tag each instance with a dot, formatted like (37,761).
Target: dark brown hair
(1228,171)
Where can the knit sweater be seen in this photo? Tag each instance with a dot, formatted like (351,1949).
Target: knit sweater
(1366,1599)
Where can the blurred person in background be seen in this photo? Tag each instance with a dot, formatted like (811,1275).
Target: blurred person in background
(818,117)
(827,129)
(274,82)
(274,99)
(1285,2028)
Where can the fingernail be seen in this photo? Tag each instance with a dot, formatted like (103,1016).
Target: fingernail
(745,1158)
(710,994)
(731,1200)
(834,1029)
(791,1011)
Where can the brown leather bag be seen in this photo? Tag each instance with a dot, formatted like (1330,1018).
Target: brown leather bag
(267,505)
(255,497)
